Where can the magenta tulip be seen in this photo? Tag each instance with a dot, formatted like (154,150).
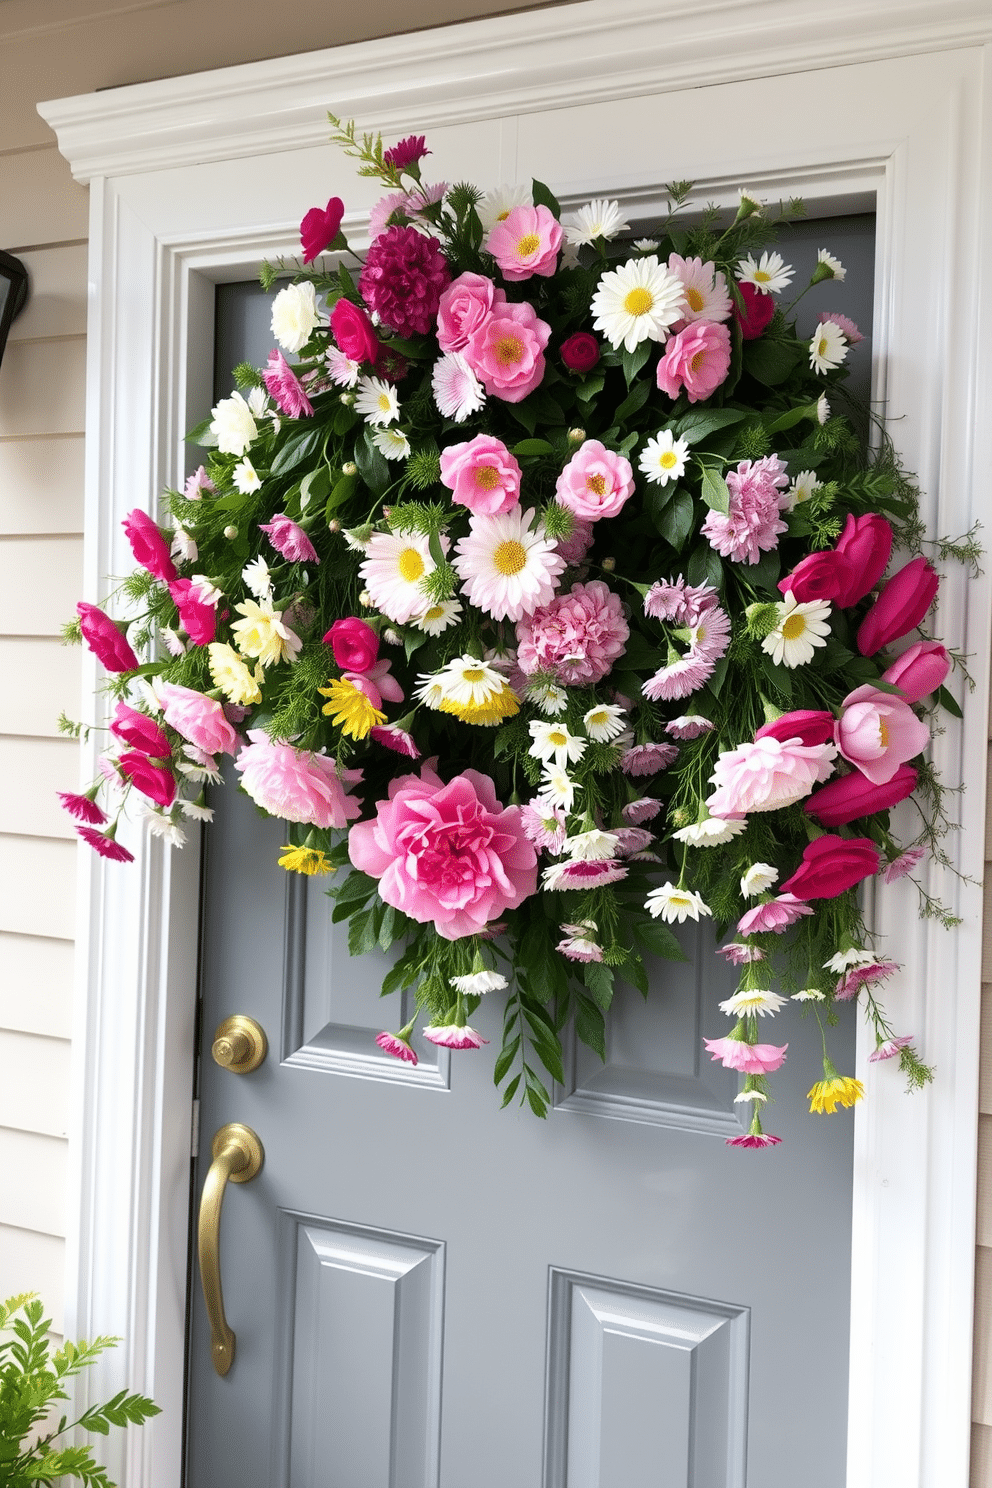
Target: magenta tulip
(866,544)
(852,796)
(355,644)
(808,724)
(105,639)
(140,732)
(819,576)
(831,865)
(153,781)
(919,671)
(199,620)
(149,545)
(900,607)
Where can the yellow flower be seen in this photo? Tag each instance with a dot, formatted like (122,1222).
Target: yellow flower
(261,633)
(350,708)
(308,860)
(494,708)
(827,1095)
(235,680)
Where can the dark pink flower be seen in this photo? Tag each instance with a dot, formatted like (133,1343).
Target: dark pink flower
(775,916)
(818,576)
(105,639)
(754,1139)
(404,276)
(355,644)
(149,545)
(153,781)
(390,736)
(749,1059)
(289,539)
(902,604)
(83,808)
(580,352)
(354,333)
(808,725)
(866,545)
(577,637)
(850,984)
(756,313)
(583,873)
(106,845)
(320,227)
(406,152)
(831,865)
(198,619)
(851,796)
(285,388)
(395,1044)
(919,671)
(697,359)
(140,732)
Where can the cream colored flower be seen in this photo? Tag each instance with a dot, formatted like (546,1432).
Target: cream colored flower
(294,316)
(262,634)
(232,676)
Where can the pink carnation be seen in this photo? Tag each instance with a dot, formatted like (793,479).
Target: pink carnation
(199,719)
(450,855)
(749,1059)
(753,524)
(767,774)
(596,482)
(647,759)
(525,243)
(391,736)
(850,984)
(506,351)
(697,359)
(296,785)
(105,845)
(775,916)
(482,475)
(577,637)
(754,1139)
(850,330)
(285,388)
(467,303)
(675,600)
(391,1043)
(289,540)
(83,808)
(453,1036)
(889,1048)
(904,863)
(544,825)
(404,276)
(680,679)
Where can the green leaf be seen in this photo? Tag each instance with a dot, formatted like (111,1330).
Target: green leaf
(544,197)
(510,1092)
(373,466)
(771,362)
(715,491)
(314,486)
(657,938)
(599,979)
(590,1025)
(590,386)
(766,572)
(200,434)
(676,521)
(633,970)
(532,447)
(386,929)
(507,1055)
(634,401)
(704,566)
(297,448)
(340,494)
(775,424)
(946,700)
(537,1102)
(694,427)
(525,414)
(633,361)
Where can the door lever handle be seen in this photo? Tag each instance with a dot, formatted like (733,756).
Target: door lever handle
(237,1155)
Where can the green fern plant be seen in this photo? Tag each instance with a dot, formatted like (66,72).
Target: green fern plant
(31,1380)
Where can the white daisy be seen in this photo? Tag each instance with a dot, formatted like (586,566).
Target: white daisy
(646,245)
(663,458)
(750,1095)
(469,682)
(507,566)
(553,741)
(475,983)
(294,316)
(183,546)
(713,832)
(342,370)
(557,788)
(801,489)
(837,269)
(376,401)
(844,960)
(753,1001)
(822,409)
(600,219)
(393,443)
(439,617)
(758,878)
(498,203)
(604,722)
(207,592)
(828,346)
(592,845)
(671,904)
(800,630)
(245,477)
(457,390)
(199,767)
(162,825)
(809,994)
(395,564)
(357,538)
(196,811)
(258,401)
(172,641)
(233,425)
(637,302)
(706,294)
(549,697)
(257,578)
(429,690)
(770,274)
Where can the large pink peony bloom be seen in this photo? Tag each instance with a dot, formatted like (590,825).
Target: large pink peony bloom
(526,242)
(577,637)
(200,720)
(754,523)
(466,305)
(766,775)
(450,855)
(506,352)
(697,359)
(596,482)
(296,785)
(404,276)
(878,732)
(482,475)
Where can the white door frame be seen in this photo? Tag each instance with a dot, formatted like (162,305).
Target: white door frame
(193,180)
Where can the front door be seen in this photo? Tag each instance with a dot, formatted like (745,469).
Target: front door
(429,1292)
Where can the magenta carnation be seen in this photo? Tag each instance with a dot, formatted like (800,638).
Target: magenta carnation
(406,152)
(289,540)
(83,808)
(404,276)
(285,388)
(395,1044)
(754,1139)
(454,1036)
(775,916)
(105,845)
(577,637)
(296,785)
(450,855)
(754,523)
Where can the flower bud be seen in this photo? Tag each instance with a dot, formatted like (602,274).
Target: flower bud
(576,436)
(365,599)
(230,533)
(349,468)
(609,564)
(334,525)
(347,399)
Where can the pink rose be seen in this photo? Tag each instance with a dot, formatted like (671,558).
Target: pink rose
(506,352)
(900,607)
(153,781)
(596,482)
(320,227)
(749,1059)
(355,644)
(756,313)
(140,731)
(577,637)
(697,359)
(525,243)
(201,720)
(482,475)
(289,540)
(766,775)
(852,796)
(450,855)
(866,544)
(465,306)
(818,576)
(919,671)
(296,785)
(580,352)
(149,545)
(199,620)
(105,638)
(808,725)
(878,733)
(354,332)
(831,865)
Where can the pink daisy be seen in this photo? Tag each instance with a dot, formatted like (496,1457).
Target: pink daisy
(890,1048)
(850,330)
(453,1037)
(852,981)
(680,679)
(754,1139)
(544,825)
(105,845)
(905,863)
(393,1043)
(583,873)
(631,840)
(83,808)
(711,635)
(579,943)
(647,759)
(777,915)
(391,736)
(740,954)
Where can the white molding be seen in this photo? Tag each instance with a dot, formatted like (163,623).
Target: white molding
(159,236)
(531,61)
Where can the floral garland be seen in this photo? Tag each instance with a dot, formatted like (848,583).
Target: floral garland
(545,588)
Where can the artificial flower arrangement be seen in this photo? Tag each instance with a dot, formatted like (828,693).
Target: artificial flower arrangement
(537,579)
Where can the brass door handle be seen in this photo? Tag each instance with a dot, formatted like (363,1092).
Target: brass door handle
(237,1154)
(239,1045)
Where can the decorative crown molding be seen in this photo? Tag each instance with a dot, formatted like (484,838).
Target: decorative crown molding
(505,65)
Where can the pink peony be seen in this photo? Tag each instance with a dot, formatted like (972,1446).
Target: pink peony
(753,524)
(296,785)
(200,720)
(466,305)
(596,482)
(404,275)
(854,795)
(697,359)
(904,863)
(395,1044)
(140,732)
(647,759)
(766,775)
(199,620)
(878,732)
(749,1059)
(580,352)
(831,865)
(775,916)
(83,808)
(105,638)
(319,228)
(105,845)
(919,671)
(450,855)
(899,608)
(153,781)
(808,725)
(406,153)
(354,332)
(482,475)
(355,644)
(755,314)
(506,352)
(526,242)
(289,540)
(285,388)
(149,545)
(391,736)
(577,637)
(865,544)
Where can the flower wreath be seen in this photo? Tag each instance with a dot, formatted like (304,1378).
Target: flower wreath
(545,588)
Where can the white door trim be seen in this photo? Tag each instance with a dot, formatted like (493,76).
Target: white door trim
(193,180)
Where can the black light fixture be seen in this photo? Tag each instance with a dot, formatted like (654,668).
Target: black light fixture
(13,293)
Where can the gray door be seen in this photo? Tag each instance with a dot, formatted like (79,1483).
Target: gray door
(428,1292)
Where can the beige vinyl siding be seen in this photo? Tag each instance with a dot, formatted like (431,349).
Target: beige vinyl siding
(981,1400)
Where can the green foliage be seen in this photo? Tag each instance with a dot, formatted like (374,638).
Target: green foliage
(31,1384)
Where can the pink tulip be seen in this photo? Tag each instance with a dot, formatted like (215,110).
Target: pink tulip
(866,544)
(105,639)
(900,607)
(140,732)
(832,864)
(854,795)
(878,732)
(355,644)
(808,725)
(153,781)
(149,545)
(919,671)
(818,576)
(199,620)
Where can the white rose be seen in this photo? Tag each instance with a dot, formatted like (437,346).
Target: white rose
(233,426)
(294,316)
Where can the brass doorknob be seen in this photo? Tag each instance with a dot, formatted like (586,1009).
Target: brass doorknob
(239,1045)
(237,1155)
